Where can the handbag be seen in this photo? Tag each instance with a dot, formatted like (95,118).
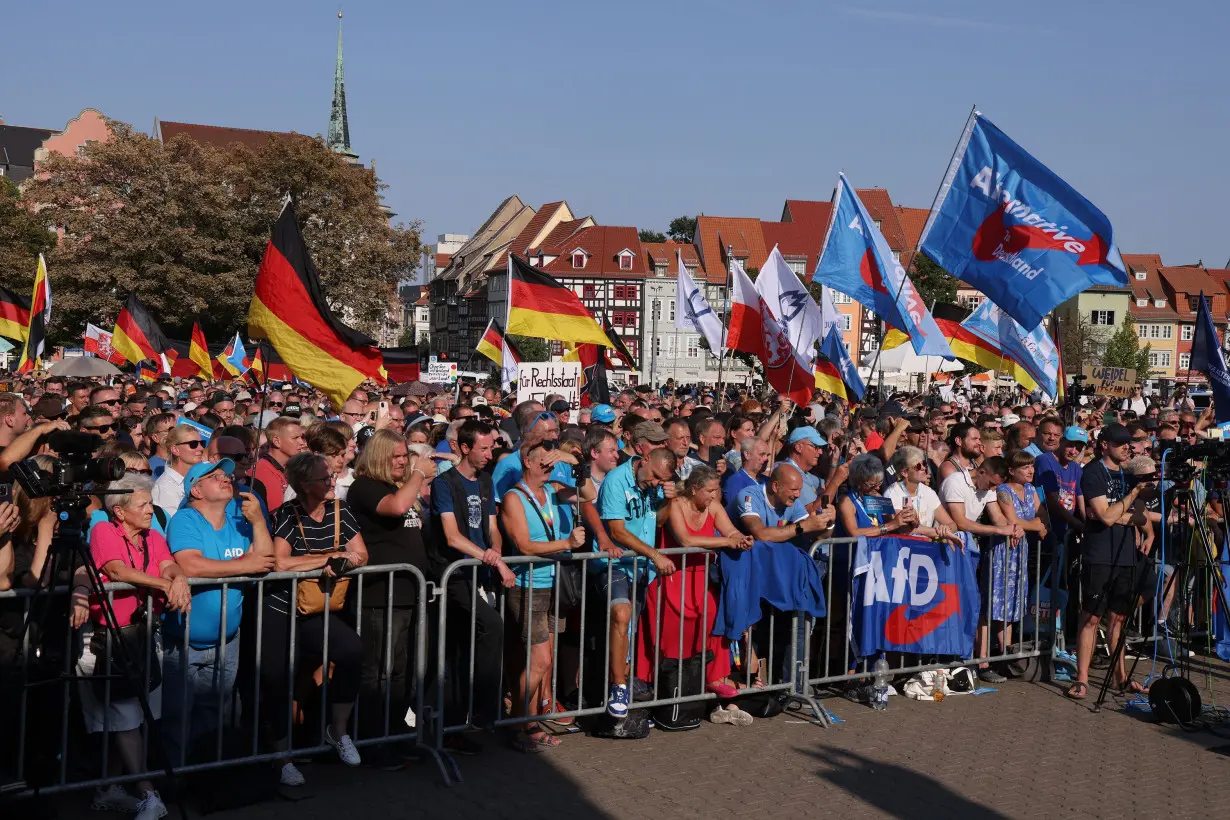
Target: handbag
(137,645)
(314,595)
(568,575)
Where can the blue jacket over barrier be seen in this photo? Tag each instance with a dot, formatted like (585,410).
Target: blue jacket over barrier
(780,575)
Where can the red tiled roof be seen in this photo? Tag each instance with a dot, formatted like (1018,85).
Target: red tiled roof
(1186,282)
(811,211)
(559,234)
(796,240)
(521,245)
(912,220)
(880,205)
(714,233)
(442,260)
(603,243)
(1150,288)
(667,252)
(218,135)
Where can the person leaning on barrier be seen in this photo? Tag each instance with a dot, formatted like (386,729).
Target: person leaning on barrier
(217,533)
(911,490)
(128,551)
(632,504)
(534,521)
(311,532)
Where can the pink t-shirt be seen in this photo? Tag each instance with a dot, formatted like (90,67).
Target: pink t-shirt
(109,543)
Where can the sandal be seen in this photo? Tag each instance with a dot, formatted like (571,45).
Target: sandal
(543,739)
(524,742)
(1131,688)
(1078,690)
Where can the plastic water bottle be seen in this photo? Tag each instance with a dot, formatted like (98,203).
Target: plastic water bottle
(879,685)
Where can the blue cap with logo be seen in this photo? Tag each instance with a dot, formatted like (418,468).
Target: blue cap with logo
(198,471)
(602,413)
(1074,433)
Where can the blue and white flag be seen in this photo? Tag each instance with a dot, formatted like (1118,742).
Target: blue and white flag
(834,349)
(913,595)
(694,313)
(1034,350)
(1208,358)
(1013,229)
(857,261)
(784,294)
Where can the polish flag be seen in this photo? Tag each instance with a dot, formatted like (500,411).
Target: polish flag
(746,306)
(787,371)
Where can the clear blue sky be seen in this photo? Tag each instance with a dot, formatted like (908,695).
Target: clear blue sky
(636,112)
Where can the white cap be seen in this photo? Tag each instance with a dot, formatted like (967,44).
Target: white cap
(190,406)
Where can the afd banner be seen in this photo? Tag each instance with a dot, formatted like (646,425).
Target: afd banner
(1035,351)
(913,595)
(1015,230)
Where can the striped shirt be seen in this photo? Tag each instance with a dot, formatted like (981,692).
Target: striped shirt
(316,537)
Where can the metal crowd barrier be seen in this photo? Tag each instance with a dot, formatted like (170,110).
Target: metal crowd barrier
(71,761)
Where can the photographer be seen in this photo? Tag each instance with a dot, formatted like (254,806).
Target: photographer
(127,551)
(314,531)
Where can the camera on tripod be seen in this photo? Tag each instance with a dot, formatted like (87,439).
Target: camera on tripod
(1181,457)
(1077,389)
(75,467)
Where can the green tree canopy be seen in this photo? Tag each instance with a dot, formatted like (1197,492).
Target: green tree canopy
(1123,349)
(532,348)
(24,234)
(647,235)
(933,283)
(185,226)
(682,229)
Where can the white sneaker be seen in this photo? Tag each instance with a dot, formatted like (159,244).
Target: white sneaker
(291,776)
(151,807)
(115,798)
(345,748)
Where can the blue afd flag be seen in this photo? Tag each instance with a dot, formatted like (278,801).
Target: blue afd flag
(856,261)
(1013,229)
(834,349)
(1035,351)
(1207,357)
(913,595)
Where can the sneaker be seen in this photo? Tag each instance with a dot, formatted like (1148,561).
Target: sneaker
(345,748)
(291,776)
(459,744)
(115,798)
(151,807)
(989,675)
(617,702)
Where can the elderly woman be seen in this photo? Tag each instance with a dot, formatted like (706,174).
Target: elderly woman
(128,551)
(911,491)
(536,525)
(681,608)
(314,531)
(856,515)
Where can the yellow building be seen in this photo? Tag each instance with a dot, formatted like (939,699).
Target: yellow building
(1157,322)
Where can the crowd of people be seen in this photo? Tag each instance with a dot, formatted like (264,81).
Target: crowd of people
(223,482)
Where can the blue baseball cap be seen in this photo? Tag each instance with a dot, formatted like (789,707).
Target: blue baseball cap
(602,413)
(198,471)
(1075,433)
(806,434)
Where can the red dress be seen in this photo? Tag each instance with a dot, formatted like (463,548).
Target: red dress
(683,603)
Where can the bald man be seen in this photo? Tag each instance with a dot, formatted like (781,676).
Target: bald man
(776,513)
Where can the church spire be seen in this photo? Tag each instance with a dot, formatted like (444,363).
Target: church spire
(338,139)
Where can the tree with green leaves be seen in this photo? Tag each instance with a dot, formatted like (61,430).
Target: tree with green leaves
(25,232)
(1082,342)
(933,283)
(532,348)
(647,235)
(185,226)
(682,229)
(1123,349)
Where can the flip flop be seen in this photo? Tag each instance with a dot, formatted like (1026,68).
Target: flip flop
(1080,686)
(544,740)
(525,744)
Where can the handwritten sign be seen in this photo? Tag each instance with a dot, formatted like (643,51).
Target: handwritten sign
(537,380)
(441,373)
(1111,381)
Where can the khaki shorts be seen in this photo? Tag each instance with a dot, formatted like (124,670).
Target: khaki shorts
(539,606)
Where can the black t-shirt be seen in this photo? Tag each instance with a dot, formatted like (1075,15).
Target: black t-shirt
(315,537)
(1114,545)
(390,539)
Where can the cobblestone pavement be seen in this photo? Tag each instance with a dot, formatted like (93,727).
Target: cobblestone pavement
(1022,751)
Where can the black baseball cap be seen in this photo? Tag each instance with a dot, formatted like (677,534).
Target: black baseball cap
(1116,433)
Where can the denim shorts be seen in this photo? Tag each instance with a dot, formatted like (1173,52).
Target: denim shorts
(619,581)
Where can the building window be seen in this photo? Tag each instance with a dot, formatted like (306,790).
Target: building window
(970,302)
(557,348)
(1159,358)
(617,319)
(631,291)
(1142,303)
(629,318)
(840,298)
(589,291)
(578,260)
(693,347)
(672,316)
(1185,361)
(1193,303)
(1159,303)
(1102,317)
(619,291)
(1186,333)
(625,261)
(1167,331)
(848,322)
(797,268)
(1141,275)
(1142,331)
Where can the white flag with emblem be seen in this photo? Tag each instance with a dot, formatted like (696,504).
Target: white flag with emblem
(832,316)
(787,298)
(692,311)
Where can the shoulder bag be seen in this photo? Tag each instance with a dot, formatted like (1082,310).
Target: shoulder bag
(568,573)
(314,595)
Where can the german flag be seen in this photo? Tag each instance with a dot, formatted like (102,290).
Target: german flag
(828,379)
(267,365)
(289,310)
(540,306)
(402,363)
(14,315)
(40,313)
(618,347)
(137,336)
(835,371)
(966,346)
(490,345)
(198,352)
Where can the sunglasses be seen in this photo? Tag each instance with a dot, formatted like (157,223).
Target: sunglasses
(192,444)
(139,470)
(110,403)
(102,428)
(277,405)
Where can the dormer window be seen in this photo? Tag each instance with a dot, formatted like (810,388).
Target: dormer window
(1141,275)
(578,259)
(1142,303)
(625,260)
(1159,303)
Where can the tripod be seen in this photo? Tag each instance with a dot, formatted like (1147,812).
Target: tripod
(1187,508)
(69,549)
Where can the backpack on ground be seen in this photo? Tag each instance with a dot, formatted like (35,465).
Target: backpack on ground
(681,679)
(761,704)
(634,726)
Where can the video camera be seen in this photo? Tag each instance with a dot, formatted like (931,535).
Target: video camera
(1180,457)
(75,467)
(1076,389)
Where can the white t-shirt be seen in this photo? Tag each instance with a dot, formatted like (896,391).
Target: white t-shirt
(925,501)
(958,487)
(168,491)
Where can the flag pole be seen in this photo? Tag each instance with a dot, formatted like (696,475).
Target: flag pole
(721,354)
(946,180)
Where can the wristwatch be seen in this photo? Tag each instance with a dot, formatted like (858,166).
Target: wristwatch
(798,529)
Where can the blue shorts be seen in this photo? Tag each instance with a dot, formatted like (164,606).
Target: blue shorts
(619,581)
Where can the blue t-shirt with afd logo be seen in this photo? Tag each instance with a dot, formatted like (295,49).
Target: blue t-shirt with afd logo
(189,530)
